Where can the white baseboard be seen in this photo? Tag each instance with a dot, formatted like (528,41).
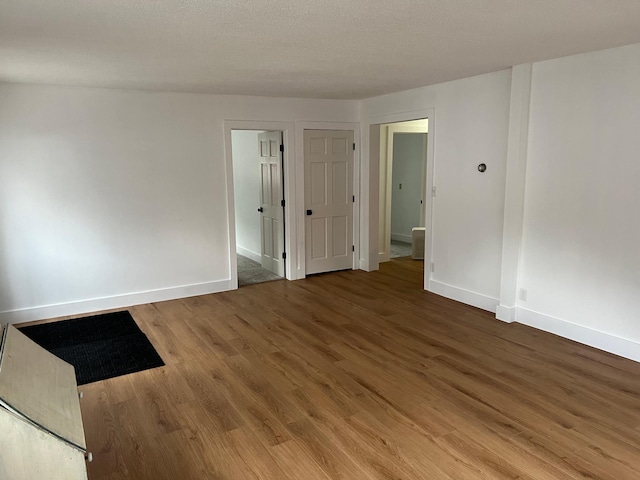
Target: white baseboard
(588,336)
(465,296)
(399,237)
(384,257)
(370,263)
(506,314)
(563,328)
(256,257)
(117,301)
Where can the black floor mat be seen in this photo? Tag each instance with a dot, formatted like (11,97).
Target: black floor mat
(99,347)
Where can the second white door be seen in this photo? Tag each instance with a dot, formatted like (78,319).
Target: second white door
(271,196)
(328,172)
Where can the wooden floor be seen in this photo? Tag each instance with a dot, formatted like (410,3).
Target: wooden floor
(356,375)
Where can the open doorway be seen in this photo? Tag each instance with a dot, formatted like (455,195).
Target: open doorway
(403,189)
(257,159)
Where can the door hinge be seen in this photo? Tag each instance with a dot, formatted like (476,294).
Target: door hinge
(354,146)
(353,199)
(282,147)
(284,255)
(433,191)
(282,203)
(353,248)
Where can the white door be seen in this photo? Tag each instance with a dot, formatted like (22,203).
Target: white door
(271,196)
(328,192)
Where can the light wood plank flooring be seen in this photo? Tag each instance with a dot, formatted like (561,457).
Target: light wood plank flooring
(356,375)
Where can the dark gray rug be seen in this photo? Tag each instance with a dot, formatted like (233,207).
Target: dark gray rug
(400,249)
(99,347)
(250,272)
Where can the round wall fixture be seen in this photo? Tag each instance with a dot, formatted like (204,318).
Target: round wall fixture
(482,167)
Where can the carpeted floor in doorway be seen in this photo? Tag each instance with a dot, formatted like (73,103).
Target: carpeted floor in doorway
(250,272)
(400,249)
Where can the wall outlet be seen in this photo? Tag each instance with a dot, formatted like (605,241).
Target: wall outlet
(523,295)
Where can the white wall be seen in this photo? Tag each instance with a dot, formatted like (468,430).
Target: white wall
(246,186)
(471,127)
(580,260)
(110,198)
(409,157)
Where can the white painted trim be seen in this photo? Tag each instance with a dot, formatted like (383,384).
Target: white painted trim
(506,314)
(398,237)
(465,296)
(300,216)
(116,301)
(429,207)
(369,186)
(585,335)
(291,232)
(517,145)
(256,257)
(231,209)
(357,212)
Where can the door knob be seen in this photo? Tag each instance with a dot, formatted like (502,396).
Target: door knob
(261,209)
(309,212)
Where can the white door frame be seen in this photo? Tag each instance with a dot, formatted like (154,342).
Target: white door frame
(299,213)
(372,136)
(291,241)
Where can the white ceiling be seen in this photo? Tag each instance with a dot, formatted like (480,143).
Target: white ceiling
(296,48)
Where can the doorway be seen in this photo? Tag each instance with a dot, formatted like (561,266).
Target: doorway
(258,180)
(403,189)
